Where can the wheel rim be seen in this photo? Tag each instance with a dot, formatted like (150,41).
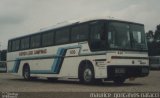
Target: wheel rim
(87,75)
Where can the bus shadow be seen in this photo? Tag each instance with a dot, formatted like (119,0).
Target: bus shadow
(76,82)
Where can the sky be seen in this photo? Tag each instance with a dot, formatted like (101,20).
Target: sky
(22,17)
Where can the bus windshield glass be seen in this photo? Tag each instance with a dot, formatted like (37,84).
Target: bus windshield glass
(127,36)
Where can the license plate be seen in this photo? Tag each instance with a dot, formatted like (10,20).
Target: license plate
(119,70)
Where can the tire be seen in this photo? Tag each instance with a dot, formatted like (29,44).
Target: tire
(26,73)
(119,80)
(52,79)
(87,75)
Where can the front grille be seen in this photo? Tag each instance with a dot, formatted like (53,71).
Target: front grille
(130,71)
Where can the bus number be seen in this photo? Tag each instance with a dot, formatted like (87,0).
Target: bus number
(72,51)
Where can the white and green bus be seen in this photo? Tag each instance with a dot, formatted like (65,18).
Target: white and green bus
(89,50)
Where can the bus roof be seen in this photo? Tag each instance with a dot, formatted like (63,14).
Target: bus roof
(72,22)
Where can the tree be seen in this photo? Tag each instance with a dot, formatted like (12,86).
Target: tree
(158,27)
(150,36)
(157,34)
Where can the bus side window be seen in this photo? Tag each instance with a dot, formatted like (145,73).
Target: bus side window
(25,43)
(97,36)
(48,38)
(15,45)
(10,46)
(35,41)
(79,33)
(62,36)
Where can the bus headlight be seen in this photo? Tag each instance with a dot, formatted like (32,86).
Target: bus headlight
(145,70)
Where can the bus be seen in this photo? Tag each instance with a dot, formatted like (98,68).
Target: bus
(154,62)
(93,50)
(154,54)
(3,67)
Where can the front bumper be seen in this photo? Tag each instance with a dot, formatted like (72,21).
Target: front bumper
(127,71)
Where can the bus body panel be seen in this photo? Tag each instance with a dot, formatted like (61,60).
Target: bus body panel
(71,62)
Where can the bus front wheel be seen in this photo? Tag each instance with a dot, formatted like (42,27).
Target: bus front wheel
(87,75)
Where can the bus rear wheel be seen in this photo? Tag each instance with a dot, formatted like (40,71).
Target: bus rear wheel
(26,73)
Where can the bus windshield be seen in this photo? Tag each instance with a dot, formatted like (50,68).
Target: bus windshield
(127,36)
